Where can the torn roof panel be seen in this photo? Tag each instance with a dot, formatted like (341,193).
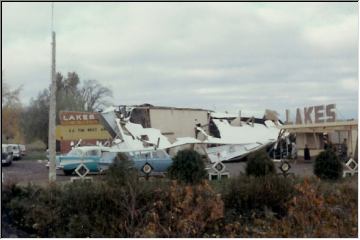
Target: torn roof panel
(245,134)
(135,136)
(152,134)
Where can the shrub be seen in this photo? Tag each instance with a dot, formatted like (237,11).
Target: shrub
(37,145)
(183,211)
(150,209)
(79,209)
(315,214)
(121,172)
(187,167)
(98,209)
(246,195)
(259,164)
(312,213)
(328,166)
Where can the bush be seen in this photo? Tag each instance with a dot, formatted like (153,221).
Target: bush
(183,211)
(328,166)
(37,145)
(98,209)
(35,155)
(79,209)
(314,213)
(150,209)
(187,167)
(247,195)
(122,171)
(259,164)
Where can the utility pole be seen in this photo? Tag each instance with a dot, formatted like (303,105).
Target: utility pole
(52,110)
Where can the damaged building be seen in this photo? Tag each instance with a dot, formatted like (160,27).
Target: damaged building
(220,136)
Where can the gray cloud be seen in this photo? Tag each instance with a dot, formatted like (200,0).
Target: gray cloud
(228,56)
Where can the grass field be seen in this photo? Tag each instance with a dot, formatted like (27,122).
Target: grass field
(35,155)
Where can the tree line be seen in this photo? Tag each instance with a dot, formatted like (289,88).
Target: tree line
(30,123)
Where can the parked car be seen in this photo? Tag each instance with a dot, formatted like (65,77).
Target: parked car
(89,155)
(154,162)
(99,158)
(6,155)
(15,149)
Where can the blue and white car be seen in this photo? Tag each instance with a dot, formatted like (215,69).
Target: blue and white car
(88,155)
(99,158)
(148,162)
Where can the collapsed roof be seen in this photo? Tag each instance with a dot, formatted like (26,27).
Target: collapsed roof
(243,138)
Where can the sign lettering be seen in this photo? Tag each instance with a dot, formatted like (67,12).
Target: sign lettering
(298,117)
(79,118)
(307,115)
(313,114)
(319,114)
(68,132)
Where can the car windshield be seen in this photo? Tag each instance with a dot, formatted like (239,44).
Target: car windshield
(74,152)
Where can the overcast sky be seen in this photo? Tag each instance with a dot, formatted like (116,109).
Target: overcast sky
(223,56)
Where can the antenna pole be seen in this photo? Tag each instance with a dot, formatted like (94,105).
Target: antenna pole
(52,110)
(52,16)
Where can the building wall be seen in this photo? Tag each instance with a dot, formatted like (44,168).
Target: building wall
(350,136)
(174,123)
(312,140)
(315,141)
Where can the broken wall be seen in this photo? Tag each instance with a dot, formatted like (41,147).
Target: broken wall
(174,123)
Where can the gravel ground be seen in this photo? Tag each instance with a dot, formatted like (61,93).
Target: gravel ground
(35,171)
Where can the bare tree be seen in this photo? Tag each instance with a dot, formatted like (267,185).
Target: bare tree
(70,96)
(94,95)
(9,97)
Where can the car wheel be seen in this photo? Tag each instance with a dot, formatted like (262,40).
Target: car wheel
(68,172)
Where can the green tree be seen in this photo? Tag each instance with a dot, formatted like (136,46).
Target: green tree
(259,164)
(35,118)
(188,167)
(328,166)
(11,109)
(70,96)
